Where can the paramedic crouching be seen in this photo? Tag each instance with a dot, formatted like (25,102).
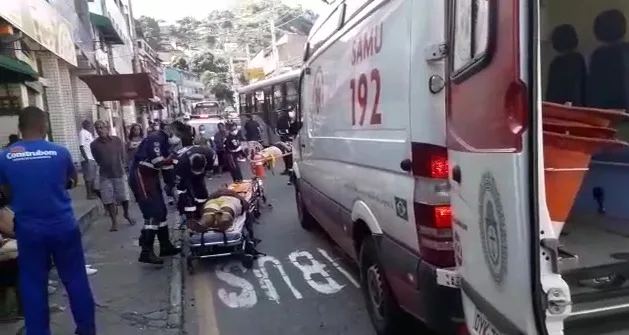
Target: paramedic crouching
(154,154)
(193,163)
(35,176)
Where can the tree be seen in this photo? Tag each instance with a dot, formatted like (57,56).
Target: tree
(206,61)
(150,30)
(186,32)
(223,92)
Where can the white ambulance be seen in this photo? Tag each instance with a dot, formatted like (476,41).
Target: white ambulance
(421,154)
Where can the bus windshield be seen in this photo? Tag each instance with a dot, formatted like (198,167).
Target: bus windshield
(207,108)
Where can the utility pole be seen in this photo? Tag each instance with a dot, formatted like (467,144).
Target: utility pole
(134,37)
(276,53)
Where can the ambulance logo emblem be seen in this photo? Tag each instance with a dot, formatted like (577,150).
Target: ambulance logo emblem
(401,208)
(493,232)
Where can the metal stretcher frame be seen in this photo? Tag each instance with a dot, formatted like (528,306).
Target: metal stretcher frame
(234,246)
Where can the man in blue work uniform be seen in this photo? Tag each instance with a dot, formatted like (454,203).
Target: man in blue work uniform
(35,176)
(144,180)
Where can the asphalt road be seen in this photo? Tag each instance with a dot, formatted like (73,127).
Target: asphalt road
(304,286)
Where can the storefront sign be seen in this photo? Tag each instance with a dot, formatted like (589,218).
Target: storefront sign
(41,22)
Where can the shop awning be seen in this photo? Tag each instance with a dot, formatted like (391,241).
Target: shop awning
(107,27)
(118,87)
(13,70)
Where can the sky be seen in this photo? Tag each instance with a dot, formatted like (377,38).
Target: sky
(169,10)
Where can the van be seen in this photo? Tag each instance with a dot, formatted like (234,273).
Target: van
(371,164)
(431,151)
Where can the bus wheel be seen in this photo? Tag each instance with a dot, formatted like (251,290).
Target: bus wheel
(385,314)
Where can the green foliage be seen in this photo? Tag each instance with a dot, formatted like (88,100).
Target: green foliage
(149,29)
(206,61)
(223,92)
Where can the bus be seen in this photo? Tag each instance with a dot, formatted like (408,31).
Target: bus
(206,108)
(263,99)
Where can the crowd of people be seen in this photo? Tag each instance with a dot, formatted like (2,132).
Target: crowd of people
(167,163)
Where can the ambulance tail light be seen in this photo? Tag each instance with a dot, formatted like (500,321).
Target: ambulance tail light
(463,330)
(433,213)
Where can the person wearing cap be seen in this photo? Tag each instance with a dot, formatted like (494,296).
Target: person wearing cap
(193,163)
(154,153)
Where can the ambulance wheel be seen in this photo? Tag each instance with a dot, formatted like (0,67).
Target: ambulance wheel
(384,312)
(247,261)
(305,219)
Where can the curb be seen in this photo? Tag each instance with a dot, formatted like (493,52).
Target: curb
(176,294)
(86,220)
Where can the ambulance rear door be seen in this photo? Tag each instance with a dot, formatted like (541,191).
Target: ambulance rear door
(489,141)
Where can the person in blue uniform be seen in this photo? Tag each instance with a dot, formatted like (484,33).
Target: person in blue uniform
(194,162)
(35,176)
(154,153)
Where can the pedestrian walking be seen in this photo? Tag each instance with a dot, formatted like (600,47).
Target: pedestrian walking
(234,150)
(35,175)
(136,134)
(88,165)
(219,143)
(253,131)
(109,154)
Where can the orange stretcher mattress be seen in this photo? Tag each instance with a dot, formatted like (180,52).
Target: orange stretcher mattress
(245,189)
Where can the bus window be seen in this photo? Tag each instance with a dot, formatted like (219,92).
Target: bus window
(291,93)
(250,103)
(243,103)
(260,108)
(278,96)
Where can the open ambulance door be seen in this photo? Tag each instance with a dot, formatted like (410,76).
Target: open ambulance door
(492,136)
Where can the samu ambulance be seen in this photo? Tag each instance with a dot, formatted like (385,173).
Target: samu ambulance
(421,153)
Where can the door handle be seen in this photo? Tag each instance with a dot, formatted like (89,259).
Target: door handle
(406,165)
(456,174)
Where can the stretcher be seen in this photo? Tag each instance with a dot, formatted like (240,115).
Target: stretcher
(236,241)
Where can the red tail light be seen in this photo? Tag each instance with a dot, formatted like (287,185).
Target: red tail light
(433,213)
(463,330)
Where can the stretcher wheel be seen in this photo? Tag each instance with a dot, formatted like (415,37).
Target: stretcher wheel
(247,261)
(257,213)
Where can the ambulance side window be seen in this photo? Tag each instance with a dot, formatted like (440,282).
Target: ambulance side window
(327,29)
(470,33)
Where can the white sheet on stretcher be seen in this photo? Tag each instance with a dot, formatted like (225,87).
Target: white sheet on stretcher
(234,233)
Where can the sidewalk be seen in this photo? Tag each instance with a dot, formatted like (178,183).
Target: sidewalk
(130,298)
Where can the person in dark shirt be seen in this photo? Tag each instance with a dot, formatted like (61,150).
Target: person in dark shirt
(194,162)
(253,131)
(35,176)
(12,139)
(219,143)
(153,153)
(233,150)
(109,154)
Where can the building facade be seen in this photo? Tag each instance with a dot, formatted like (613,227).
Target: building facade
(188,89)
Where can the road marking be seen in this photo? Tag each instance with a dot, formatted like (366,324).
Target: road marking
(204,306)
(338,267)
(329,286)
(265,282)
(247,297)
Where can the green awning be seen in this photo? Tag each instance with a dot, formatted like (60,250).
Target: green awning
(13,70)
(107,28)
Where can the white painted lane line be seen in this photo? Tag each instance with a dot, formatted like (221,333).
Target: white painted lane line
(339,267)
(329,286)
(247,297)
(265,282)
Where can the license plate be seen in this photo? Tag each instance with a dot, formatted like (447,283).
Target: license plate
(482,326)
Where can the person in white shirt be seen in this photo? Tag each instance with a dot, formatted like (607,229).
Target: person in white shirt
(88,164)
